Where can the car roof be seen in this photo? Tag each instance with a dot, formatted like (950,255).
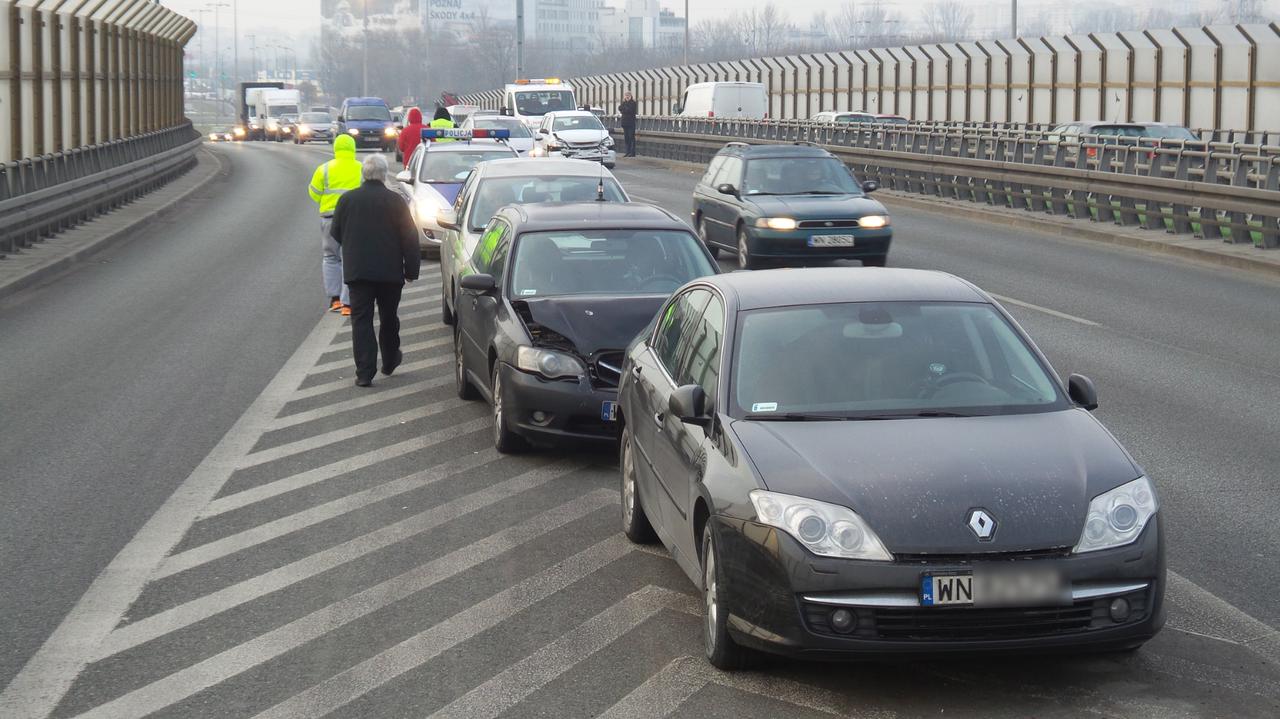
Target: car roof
(825,285)
(483,143)
(571,113)
(534,167)
(793,150)
(541,216)
(365,101)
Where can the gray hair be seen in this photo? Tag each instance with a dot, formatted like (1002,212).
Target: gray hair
(375,168)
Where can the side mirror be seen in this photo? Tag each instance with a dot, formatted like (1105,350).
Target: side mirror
(504,111)
(404,176)
(1082,392)
(688,403)
(727,189)
(677,108)
(447,218)
(870,186)
(543,131)
(479,284)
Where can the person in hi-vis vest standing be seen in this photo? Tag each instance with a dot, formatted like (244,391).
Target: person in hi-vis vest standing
(328,183)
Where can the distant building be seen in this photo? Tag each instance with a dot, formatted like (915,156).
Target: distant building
(563,24)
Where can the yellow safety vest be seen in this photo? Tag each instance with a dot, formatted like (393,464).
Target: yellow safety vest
(445,124)
(336,176)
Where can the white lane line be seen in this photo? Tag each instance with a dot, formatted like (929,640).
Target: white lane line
(1046,310)
(340,690)
(201,608)
(288,524)
(347,362)
(377,396)
(543,666)
(246,497)
(334,386)
(227,664)
(47,676)
(434,312)
(344,348)
(345,434)
(1213,616)
(664,692)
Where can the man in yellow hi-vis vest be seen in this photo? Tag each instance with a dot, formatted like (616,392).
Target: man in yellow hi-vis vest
(330,180)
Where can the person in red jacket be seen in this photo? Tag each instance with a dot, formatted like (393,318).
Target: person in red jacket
(411,135)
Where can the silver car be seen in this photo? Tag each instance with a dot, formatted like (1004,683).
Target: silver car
(574,134)
(435,174)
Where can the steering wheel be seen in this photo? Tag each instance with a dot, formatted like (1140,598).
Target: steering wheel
(668,281)
(930,388)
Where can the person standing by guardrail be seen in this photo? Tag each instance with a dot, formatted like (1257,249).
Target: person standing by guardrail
(380,253)
(628,110)
(328,183)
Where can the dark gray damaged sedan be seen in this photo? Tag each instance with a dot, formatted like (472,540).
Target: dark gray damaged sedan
(862,462)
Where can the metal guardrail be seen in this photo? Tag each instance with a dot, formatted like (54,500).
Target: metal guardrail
(1207,189)
(41,196)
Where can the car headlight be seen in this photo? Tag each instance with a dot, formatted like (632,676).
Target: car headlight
(1117,517)
(549,363)
(608,142)
(239,131)
(537,152)
(427,208)
(389,132)
(213,136)
(776,223)
(353,131)
(827,530)
(287,130)
(873,222)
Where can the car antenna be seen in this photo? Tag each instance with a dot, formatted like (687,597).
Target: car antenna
(600,185)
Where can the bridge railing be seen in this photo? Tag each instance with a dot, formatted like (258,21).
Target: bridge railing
(1228,191)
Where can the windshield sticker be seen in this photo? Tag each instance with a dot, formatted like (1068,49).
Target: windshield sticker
(764,407)
(528,292)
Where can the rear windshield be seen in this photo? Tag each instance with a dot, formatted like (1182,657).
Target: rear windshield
(454,165)
(368,112)
(497,192)
(606,262)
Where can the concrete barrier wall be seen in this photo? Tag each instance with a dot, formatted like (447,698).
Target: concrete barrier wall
(82,72)
(1220,77)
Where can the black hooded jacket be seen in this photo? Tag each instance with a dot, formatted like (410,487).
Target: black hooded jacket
(375,229)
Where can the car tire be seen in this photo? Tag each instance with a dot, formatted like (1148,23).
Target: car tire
(877,261)
(635,523)
(460,381)
(700,227)
(504,440)
(721,650)
(746,261)
(446,314)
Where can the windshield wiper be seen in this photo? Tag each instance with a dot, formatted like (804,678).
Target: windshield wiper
(794,417)
(914,415)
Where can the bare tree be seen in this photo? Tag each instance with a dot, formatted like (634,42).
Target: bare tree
(862,24)
(947,21)
(1240,11)
(765,29)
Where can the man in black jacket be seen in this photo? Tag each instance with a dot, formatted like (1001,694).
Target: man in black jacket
(628,112)
(379,254)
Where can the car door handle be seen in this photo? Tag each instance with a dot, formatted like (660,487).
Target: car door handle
(635,371)
(658,417)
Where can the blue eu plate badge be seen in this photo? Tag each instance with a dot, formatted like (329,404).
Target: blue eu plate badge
(609,411)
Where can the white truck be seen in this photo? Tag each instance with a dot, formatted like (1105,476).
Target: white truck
(529,100)
(279,103)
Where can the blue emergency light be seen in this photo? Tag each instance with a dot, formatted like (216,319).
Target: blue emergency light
(440,133)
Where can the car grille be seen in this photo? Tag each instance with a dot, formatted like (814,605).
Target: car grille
(1051,553)
(606,369)
(825,224)
(929,624)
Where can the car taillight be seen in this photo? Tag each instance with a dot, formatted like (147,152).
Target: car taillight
(1092,151)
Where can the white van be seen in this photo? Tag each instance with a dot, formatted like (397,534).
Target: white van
(529,100)
(734,100)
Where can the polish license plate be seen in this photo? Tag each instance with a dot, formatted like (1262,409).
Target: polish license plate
(831,241)
(609,411)
(995,587)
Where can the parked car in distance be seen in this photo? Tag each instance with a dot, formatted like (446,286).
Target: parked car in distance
(497,183)
(729,100)
(575,135)
(557,292)
(885,119)
(788,203)
(520,137)
(862,463)
(222,134)
(1073,134)
(844,118)
(436,172)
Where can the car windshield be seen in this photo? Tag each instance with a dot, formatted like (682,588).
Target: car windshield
(497,192)
(455,165)
(576,122)
(518,129)
(872,360)
(538,103)
(289,118)
(849,119)
(368,112)
(315,117)
(281,110)
(798,176)
(607,262)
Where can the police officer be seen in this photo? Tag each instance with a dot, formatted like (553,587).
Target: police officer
(442,120)
(328,183)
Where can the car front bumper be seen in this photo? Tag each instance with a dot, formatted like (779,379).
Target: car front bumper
(608,157)
(794,244)
(572,409)
(780,597)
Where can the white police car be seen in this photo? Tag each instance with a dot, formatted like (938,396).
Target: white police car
(439,166)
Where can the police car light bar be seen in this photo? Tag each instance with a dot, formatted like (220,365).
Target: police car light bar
(539,81)
(439,133)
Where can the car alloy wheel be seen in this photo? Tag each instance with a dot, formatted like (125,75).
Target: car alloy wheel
(464,388)
(504,440)
(702,235)
(635,523)
(722,651)
(745,260)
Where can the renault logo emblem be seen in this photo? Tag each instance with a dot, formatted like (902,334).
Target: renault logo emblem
(982,524)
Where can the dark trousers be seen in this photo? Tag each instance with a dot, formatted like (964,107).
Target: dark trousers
(629,138)
(364,295)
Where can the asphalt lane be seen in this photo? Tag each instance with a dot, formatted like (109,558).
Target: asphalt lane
(120,376)
(1183,355)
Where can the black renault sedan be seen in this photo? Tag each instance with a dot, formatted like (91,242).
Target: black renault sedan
(865,462)
(558,292)
(788,204)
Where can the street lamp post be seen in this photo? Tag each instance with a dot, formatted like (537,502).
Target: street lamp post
(1014,18)
(519,38)
(235,40)
(217,50)
(686,32)
(364,63)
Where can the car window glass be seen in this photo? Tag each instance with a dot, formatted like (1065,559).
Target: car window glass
(712,170)
(675,326)
(496,192)
(368,112)
(515,127)
(482,258)
(798,175)
(730,172)
(453,166)
(606,261)
(700,364)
